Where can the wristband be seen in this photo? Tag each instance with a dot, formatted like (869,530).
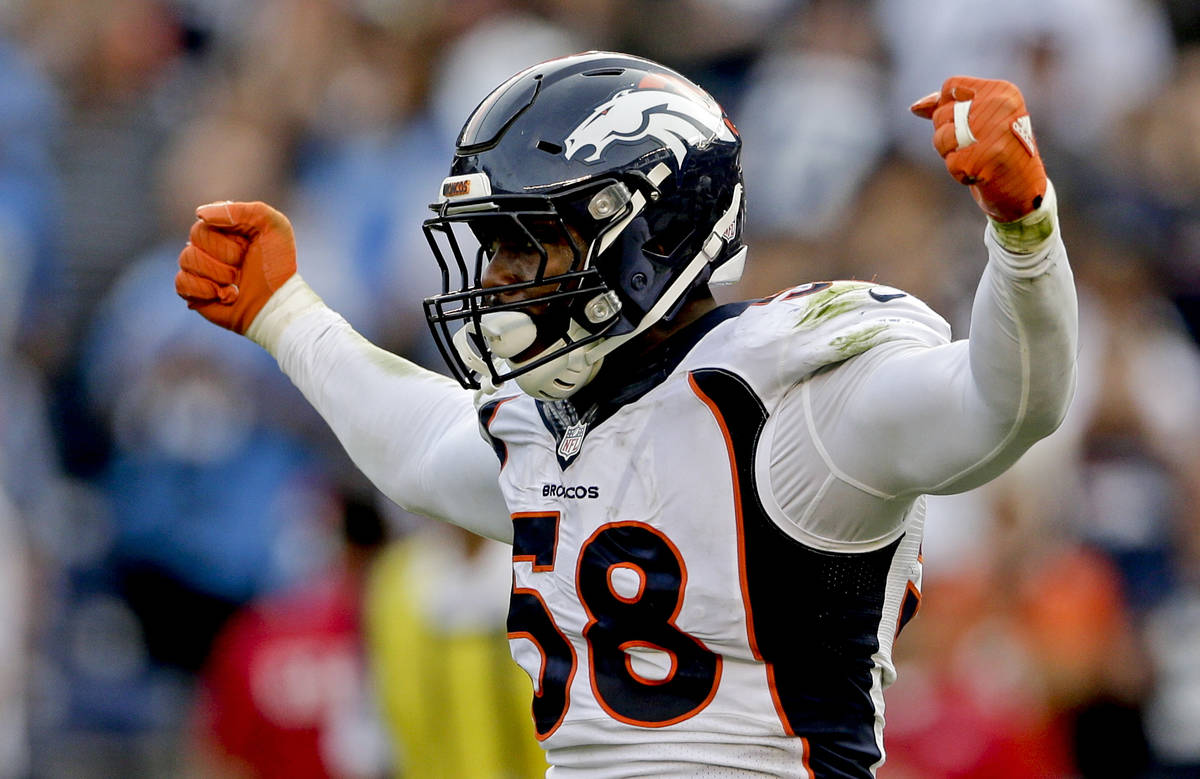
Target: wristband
(291,300)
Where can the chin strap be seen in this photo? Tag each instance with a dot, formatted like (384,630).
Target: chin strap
(557,379)
(472,358)
(560,378)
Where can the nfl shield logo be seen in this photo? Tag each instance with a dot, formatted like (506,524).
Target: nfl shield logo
(572,440)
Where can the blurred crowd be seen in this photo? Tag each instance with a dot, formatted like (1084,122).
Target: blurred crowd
(197,582)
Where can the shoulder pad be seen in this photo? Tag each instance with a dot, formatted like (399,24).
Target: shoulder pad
(810,326)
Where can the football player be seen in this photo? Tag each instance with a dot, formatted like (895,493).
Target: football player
(715,511)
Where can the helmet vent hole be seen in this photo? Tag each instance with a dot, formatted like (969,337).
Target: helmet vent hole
(604,72)
(549,148)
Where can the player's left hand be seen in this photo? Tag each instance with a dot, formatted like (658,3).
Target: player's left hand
(981,129)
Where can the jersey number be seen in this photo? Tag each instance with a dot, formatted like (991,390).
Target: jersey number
(630,580)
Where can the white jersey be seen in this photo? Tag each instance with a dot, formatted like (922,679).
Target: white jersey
(712,558)
(657,603)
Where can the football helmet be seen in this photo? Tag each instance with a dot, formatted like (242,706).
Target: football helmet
(620,179)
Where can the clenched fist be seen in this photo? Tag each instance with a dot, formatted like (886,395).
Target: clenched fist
(982,130)
(237,255)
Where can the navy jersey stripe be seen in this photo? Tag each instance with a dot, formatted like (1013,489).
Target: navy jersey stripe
(487,412)
(908,607)
(814,615)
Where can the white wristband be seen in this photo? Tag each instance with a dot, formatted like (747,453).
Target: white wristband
(288,302)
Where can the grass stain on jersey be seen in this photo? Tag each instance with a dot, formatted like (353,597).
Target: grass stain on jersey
(830,303)
(858,341)
(1024,235)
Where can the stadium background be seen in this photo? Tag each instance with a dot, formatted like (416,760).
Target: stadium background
(170,509)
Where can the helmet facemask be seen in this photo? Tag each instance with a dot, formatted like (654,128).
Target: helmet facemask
(534,327)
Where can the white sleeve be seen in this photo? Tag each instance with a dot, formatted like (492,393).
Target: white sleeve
(906,419)
(412,432)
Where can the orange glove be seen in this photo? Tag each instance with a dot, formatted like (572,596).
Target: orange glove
(981,128)
(237,255)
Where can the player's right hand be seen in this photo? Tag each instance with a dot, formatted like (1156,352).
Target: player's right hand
(237,255)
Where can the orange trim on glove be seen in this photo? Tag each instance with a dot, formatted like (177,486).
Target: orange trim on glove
(237,255)
(982,130)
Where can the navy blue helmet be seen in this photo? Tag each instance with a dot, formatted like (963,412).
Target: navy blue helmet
(625,161)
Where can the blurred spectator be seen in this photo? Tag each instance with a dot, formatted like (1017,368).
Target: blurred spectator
(287,691)
(112,60)
(454,701)
(805,168)
(1173,708)
(713,42)
(209,507)
(29,462)
(965,705)
(1073,621)
(1022,669)
(1152,182)
(30,120)
(1157,146)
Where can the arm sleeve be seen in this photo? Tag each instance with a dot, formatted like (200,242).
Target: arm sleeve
(411,431)
(947,418)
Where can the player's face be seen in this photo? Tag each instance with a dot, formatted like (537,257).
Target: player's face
(515,259)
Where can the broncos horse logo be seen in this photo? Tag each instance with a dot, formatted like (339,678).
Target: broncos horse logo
(673,119)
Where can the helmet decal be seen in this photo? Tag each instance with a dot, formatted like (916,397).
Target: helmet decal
(674,119)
